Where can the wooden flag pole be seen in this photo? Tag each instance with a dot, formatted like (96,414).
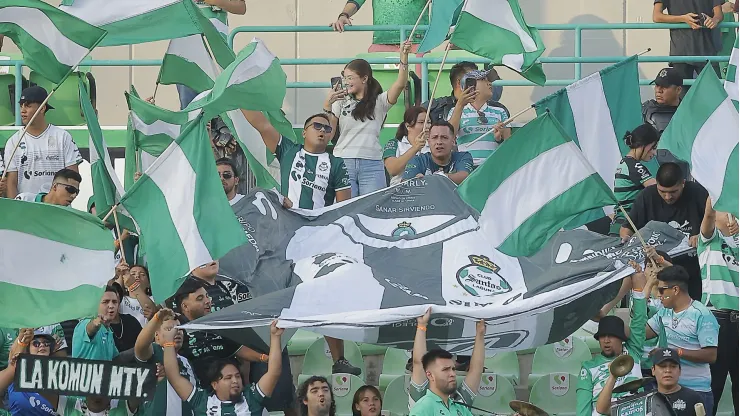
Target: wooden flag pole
(426,6)
(503,124)
(637,232)
(113,208)
(154,96)
(118,232)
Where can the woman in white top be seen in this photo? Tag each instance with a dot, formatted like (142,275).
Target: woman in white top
(138,301)
(410,140)
(360,110)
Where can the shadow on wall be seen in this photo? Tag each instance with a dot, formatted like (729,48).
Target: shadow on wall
(594,43)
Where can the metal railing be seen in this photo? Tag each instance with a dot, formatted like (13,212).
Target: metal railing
(578,59)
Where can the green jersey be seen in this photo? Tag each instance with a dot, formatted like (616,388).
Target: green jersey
(72,406)
(310,180)
(432,405)
(166,401)
(595,371)
(396,12)
(251,403)
(475,123)
(7,336)
(416,392)
(719,271)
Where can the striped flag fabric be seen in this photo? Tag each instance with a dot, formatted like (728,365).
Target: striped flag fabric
(704,132)
(182,211)
(731,85)
(52,42)
(535,183)
(443,15)
(187,62)
(516,45)
(39,241)
(595,113)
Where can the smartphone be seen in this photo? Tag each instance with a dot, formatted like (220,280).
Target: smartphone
(336,81)
(701,19)
(470,83)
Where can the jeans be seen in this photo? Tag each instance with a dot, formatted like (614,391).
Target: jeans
(727,357)
(365,175)
(186,94)
(707,398)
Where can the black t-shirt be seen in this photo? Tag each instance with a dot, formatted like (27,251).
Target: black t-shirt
(125,332)
(683,401)
(201,348)
(685,214)
(688,41)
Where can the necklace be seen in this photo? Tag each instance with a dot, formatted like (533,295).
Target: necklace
(114,331)
(676,318)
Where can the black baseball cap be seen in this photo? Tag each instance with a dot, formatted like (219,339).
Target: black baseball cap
(35,94)
(668,77)
(665,354)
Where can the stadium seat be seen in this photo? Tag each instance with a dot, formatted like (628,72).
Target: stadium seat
(66,100)
(317,361)
(394,365)
(301,340)
(588,338)
(7,90)
(343,387)
(444,88)
(386,74)
(494,394)
(372,349)
(565,356)
(396,396)
(505,364)
(724,407)
(555,393)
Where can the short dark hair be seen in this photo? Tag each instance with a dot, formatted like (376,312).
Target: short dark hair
(213,371)
(360,392)
(322,115)
(225,161)
(675,275)
(433,355)
(302,394)
(115,288)
(669,174)
(190,285)
(443,123)
(459,69)
(67,174)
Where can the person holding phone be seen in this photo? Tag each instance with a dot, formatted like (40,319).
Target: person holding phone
(473,117)
(359,111)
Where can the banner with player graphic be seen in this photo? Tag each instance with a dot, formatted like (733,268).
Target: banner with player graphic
(364,269)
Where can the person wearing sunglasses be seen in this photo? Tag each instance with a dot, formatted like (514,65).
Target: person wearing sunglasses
(229,179)
(472,117)
(689,327)
(64,189)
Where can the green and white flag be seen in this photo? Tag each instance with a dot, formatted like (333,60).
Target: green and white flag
(150,130)
(704,133)
(496,29)
(595,113)
(534,184)
(731,85)
(54,263)
(52,42)
(254,81)
(182,211)
(443,15)
(187,62)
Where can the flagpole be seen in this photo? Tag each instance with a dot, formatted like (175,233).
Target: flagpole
(426,6)
(504,124)
(118,232)
(154,96)
(436,81)
(637,232)
(113,208)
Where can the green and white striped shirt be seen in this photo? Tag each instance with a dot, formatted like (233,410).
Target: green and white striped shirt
(474,123)
(210,405)
(719,271)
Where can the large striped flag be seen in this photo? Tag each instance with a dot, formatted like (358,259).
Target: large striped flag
(496,30)
(596,112)
(535,183)
(187,62)
(704,133)
(443,15)
(53,42)
(54,263)
(182,211)
(731,84)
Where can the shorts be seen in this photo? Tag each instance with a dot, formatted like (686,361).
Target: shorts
(283,397)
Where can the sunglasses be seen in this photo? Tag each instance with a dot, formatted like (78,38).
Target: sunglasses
(662,289)
(38,344)
(72,190)
(321,127)
(482,119)
(226,175)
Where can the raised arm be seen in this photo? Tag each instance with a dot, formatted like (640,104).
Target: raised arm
(344,18)
(143,350)
(230,6)
(269,134)
(395,165)
(468,97)
(477,360)
(136,291)
(708,222)
(182,385)
(268,381)
(403,75)
(604,403)
(418,376)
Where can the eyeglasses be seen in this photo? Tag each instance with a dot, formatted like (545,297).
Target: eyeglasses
(662,289)
(226,175)
(322,127)
(72,190)
(38,343)
(482,119)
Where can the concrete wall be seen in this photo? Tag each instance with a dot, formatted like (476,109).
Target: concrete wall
(113,81)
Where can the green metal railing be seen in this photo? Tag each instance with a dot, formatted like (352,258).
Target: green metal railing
(578,60)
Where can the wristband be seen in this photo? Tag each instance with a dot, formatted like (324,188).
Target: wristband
(263,358)
(168,344)
(421,327)
(134,287)
(343,14)
(680,352)
(24,345)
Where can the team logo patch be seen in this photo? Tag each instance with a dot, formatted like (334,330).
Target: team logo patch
(663,73)
(404,229)
(481,278)
(323,166)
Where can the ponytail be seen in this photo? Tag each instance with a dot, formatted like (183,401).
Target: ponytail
(409,118)
(642,135)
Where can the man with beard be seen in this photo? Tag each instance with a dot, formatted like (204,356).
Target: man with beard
(440,370)
(441,159)
(229,179)
(315,397)
(614,342)
(230,396)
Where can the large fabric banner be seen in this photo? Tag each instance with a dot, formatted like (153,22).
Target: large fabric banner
(364,269)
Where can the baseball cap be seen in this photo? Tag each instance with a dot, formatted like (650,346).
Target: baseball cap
(665,354)
(668,77)
(34,94)
(45,332)
(475,74)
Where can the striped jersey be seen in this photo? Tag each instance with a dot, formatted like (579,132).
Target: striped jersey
(397,148)
(251,403)
(70,406)
(628,182)
(166,401)
(474,123)
(691,329)
(310,180)
(719,271)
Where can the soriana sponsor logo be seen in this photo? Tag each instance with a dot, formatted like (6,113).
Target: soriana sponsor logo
(340,385)
(559,384)
(487,385)
(564,348)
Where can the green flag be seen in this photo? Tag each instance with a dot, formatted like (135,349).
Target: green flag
(444,14)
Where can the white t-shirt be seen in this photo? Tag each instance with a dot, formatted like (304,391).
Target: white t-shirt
(235,199)
(360,139)
(131,306)
(38,158)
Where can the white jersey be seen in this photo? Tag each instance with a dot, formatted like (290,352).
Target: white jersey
(38,158)
(131,306)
